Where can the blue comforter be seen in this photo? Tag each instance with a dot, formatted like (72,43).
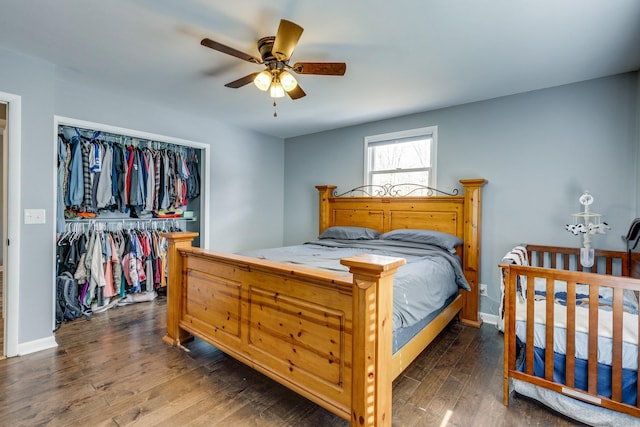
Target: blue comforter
(421,286)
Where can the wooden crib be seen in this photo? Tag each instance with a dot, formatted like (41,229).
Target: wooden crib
(595,300)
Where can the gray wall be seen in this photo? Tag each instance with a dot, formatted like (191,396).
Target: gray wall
(246,190)
(539,151)
(32,79)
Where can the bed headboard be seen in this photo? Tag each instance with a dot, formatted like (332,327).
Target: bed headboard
(454,214)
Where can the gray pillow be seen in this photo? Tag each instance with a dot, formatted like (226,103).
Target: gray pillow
(429,237)
(349,233)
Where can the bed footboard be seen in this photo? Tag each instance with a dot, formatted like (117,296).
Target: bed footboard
(327,336)
(581,311)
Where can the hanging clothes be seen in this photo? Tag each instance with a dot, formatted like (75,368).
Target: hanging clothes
(74,192)
(119,178)
(104,196)
(63,155)
(109,265)
(104,172)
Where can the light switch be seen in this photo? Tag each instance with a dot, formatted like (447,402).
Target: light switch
(34,216)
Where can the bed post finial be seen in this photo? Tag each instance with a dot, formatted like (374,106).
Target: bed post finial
(324,193)
(471,260)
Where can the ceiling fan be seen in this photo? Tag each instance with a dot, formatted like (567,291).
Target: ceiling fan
(275,53)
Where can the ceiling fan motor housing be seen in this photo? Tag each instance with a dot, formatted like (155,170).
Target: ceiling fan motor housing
(265,47)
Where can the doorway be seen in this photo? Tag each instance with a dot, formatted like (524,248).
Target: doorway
(10,225)
(3,216)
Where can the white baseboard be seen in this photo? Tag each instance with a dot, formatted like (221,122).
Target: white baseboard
(36,345)
(491,319)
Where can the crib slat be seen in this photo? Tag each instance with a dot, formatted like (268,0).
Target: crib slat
(549,324)
(533,260)
(509,331)
(625,265)
(571,334)
(579,266)
(616,365)
(530,325)
(609,264)
(593,340)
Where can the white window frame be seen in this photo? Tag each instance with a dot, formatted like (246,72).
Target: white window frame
(430,131)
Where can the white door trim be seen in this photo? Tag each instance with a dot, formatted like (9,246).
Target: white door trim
(12,257)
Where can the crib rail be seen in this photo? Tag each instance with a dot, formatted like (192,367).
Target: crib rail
(606,262)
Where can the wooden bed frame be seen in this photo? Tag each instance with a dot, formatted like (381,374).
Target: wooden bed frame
(558,261)
(327,336)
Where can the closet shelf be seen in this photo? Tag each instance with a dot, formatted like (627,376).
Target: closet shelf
(123,220)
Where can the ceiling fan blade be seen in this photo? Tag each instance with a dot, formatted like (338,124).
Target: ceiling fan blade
(229,51)
(286,40)
(296,93)
(242,81)
(325,68)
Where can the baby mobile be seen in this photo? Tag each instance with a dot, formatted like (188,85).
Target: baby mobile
(587,223)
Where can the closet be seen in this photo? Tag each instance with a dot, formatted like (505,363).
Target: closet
(117,190)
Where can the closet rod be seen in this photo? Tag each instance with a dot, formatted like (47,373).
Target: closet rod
(123,139)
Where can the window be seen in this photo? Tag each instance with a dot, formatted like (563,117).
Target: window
(405,157)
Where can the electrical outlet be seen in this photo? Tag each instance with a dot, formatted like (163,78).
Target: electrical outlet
(483,290)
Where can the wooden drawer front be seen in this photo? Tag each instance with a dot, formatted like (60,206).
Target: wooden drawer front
(303,335)
(214,301)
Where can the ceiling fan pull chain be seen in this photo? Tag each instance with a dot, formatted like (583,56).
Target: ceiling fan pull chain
(275,113)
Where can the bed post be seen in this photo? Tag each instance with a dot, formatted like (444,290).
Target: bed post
(371,373)
(175,241)
(324,193)
(471,262)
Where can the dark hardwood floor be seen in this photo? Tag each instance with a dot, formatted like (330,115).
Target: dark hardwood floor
(114,370)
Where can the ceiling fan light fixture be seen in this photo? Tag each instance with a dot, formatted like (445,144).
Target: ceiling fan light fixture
(263,80)
(277,91)
(275,54)
(288,81)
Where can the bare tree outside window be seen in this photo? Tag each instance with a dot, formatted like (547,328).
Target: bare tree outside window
(406,157)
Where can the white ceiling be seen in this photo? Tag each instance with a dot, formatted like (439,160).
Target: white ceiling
(402,56)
